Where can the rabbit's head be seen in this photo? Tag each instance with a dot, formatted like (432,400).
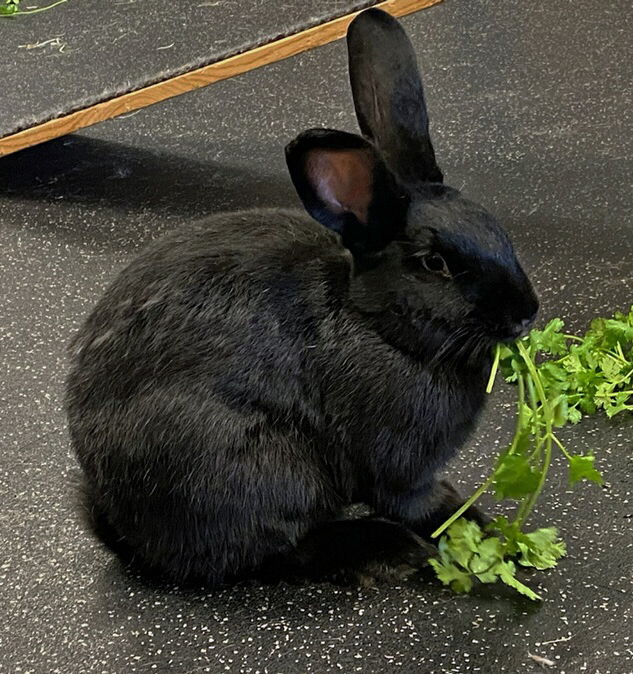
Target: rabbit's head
(423,254)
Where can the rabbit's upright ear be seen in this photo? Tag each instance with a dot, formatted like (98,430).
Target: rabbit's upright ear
(345,185)
(389,97)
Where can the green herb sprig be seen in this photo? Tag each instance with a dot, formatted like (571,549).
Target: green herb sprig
(10,8)
(560,379)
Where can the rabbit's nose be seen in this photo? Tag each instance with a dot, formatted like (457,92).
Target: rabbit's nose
(522,327)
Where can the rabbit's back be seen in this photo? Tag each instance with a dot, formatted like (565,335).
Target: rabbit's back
(239,291)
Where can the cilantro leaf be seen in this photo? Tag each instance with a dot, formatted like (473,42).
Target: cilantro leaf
(507,572)
(574,415)
(514,477)
(541,548)
(581,468)
(549,340)
(450,574)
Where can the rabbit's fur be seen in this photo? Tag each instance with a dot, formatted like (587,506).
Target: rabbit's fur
(249,376)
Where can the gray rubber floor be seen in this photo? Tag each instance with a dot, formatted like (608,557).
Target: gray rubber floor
(531,109)
(86,51)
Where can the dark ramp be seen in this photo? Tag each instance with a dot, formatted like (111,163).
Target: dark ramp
(86,52)
(530,108)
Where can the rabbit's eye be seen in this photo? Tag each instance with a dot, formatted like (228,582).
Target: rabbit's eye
(436,264)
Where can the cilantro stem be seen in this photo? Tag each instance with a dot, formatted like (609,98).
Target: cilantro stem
(536,378)
(562,448)
(617,355)
(520,415)
(616,393)
(623,378)
(548,416)
(521,513)
(493,369)
(458,513)
(537,449)
(537,492)
(533,404)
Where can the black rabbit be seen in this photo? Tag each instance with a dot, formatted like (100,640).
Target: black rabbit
(248,377)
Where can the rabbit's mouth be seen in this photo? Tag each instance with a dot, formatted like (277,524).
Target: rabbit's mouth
(511,331)
(520,330)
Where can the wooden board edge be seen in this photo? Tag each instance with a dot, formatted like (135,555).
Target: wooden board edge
(195,79)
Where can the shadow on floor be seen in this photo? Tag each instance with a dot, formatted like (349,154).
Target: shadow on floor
(126,178)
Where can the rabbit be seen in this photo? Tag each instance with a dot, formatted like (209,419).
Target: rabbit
(248,377)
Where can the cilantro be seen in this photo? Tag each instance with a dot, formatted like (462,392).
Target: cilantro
(12,8)
(560,379)
(464,554)
(9,7)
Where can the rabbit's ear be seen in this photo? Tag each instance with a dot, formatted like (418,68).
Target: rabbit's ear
(389,98)
(345,185)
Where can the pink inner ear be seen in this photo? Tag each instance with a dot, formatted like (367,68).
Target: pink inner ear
(343,179)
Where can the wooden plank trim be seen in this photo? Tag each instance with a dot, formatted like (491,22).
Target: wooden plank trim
(201,77)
